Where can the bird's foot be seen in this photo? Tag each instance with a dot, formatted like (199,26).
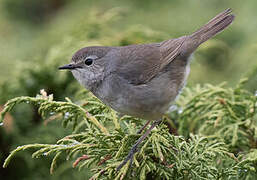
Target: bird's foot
(142,128)
(130,157)
(135,146)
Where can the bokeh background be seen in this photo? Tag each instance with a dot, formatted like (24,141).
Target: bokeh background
(37,36)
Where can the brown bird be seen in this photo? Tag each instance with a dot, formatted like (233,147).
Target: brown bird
(142,80)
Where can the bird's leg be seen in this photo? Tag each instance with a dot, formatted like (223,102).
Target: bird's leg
(142,128)
(135,146)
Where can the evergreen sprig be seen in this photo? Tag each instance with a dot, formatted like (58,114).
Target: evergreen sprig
(71,112)
(101,139)
(223,112)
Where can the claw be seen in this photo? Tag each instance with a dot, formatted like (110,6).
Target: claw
(129,157)
(135,146)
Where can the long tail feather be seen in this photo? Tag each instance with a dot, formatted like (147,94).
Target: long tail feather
(213,27)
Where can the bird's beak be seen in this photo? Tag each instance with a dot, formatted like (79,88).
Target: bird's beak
(69,66)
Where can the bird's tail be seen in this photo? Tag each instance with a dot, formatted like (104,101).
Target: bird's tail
(186,45)
(213,27)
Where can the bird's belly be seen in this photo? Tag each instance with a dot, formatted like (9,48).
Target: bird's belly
(140,104)
(144,103)
(147,101)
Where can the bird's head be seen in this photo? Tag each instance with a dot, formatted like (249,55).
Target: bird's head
(88,65)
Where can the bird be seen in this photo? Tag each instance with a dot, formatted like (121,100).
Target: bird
(142,80)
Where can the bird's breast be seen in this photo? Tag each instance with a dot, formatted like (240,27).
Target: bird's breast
(147,101)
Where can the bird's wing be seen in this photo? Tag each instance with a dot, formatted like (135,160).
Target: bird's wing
(140,63)
(170,49)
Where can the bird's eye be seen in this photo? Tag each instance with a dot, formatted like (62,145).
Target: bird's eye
(88,61)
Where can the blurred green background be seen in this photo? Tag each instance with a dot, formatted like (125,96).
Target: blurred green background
(37,36)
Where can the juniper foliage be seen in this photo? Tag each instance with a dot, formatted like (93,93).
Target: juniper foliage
(217,135)
(213,128)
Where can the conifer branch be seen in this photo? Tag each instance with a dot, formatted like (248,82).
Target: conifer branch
(225,118)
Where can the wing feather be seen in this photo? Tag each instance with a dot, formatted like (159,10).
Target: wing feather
(140,63)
